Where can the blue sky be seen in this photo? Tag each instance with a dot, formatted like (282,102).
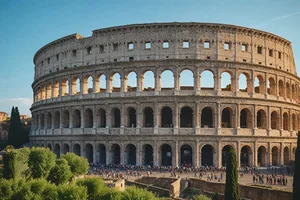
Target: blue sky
(27,25)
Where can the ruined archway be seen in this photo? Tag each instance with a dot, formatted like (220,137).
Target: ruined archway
(101,118)
(148,155)
(271,86)
(49,120)
(186,158)
(57,150)
(225,151)
(89,153)
(77,149)
(131,117)
(207,80)
(281,88)
(56,120)
(261,119)
(101,151)
(166,117)
(130,154)
(186,117)
(66,119)
(166,155)
(207,155)
(148,117)
(275,156)
(262,156)
(65,149)
(259,86)
(116,118)
(274,120)
(88,118)
(226,81)
(245,156)
(207,118)
(245,118)
(76,119)
(286,156)
(285,119)
(115,154)
(226,118)
(186,80)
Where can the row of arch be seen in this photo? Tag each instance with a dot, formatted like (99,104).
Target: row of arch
(167,118)
(206,80)
(130,154)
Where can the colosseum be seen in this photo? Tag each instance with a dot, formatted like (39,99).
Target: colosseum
(120,96)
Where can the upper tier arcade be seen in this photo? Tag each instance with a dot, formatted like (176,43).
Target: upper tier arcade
(163,41)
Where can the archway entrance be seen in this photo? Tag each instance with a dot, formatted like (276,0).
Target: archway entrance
(286,157)
(226,118)
(89,152)
(166,155)
(76,149)
(116,154)
(262,156)
(225,151)
(275,157)
(207,118)
(245,156)
(207,153)
(186,155)
(102,154)
(147,155)
(66,148)
(166,117)
(57,150)
(148,117)
(131,154)
(131,118)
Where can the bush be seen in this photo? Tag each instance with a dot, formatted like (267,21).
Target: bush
(72,192)
(137,194)
(16,163)
(41,161)
(95,187)
(5,189)
(201,197)
(109,194)
(60,173)
(79,165)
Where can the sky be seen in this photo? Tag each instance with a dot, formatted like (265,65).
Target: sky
(27,25)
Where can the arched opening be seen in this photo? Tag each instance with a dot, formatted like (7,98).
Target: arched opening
(225,152)
(207,118)
(101,118)
(245,118)
(275,156)
(42,121)
(49,147)
(148,155)
(274,120)
(167,80)
(131,115)
(66,149)
(261,119)
(298,121)
(101,154)
(186,80)
(166,155)
(116,82)
(116,118)
(66,119)
(286,156)
(56,120)
(116,154)
(77,149)
(49,120)
(148,117)
(166,117)
(294,122)
(65,87)
(57,150)
(262,156)
(226,118)
(88,118)
(281,88)
(186,117)
(147,81)
(259,86)
(56,89)
(207,80)
(89,152)
(293,92)
(101,83)
(186,155)
(245,157)
(75,86)
(243,83)
(285,121)
(38,121)
(48,91)
(88,85)
(131,82)
(207,155)
(288,90)
(76,119)
(226,82)
(271,86)
(131,154)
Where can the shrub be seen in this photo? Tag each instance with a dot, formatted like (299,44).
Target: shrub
(95,187)
(79,165)
(41,161)
(60,173)
(72,192)
(201,197)
(137,194)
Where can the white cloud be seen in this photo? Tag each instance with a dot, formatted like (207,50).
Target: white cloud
(278,18)
(23,105)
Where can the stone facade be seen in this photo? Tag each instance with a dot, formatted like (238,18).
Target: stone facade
(77,108)
(3,116)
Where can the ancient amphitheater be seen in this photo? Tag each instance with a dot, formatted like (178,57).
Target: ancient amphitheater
(79,105)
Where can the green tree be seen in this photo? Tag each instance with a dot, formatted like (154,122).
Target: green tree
(16,163)
(201,197)
(232,191)
(16,131)
(41,161)
(137,194)
(72,192)
(109,194)
(5,189)
(296,180)
(95,187)
(79,165)
(60,173)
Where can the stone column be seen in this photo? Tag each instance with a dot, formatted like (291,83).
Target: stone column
(197,161)
(281,154)
(177,152)
(157,77)
(138,118)
(176,117)
(94,152)
(156,153)
(218,119)
(156,118)
(176,81)
(122,126)
(238,153)
(82,117)
(108,156)
(197,118)
(218,158)
(237,124)
(197,81)
(138,84)
(61,118)
(255,156)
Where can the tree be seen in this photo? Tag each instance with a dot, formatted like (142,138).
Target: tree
(60,173)
(95,187)
(72,192)
(41,161)
(16,130)
(232,191)
(79,165)
(296,180)
(137,193)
